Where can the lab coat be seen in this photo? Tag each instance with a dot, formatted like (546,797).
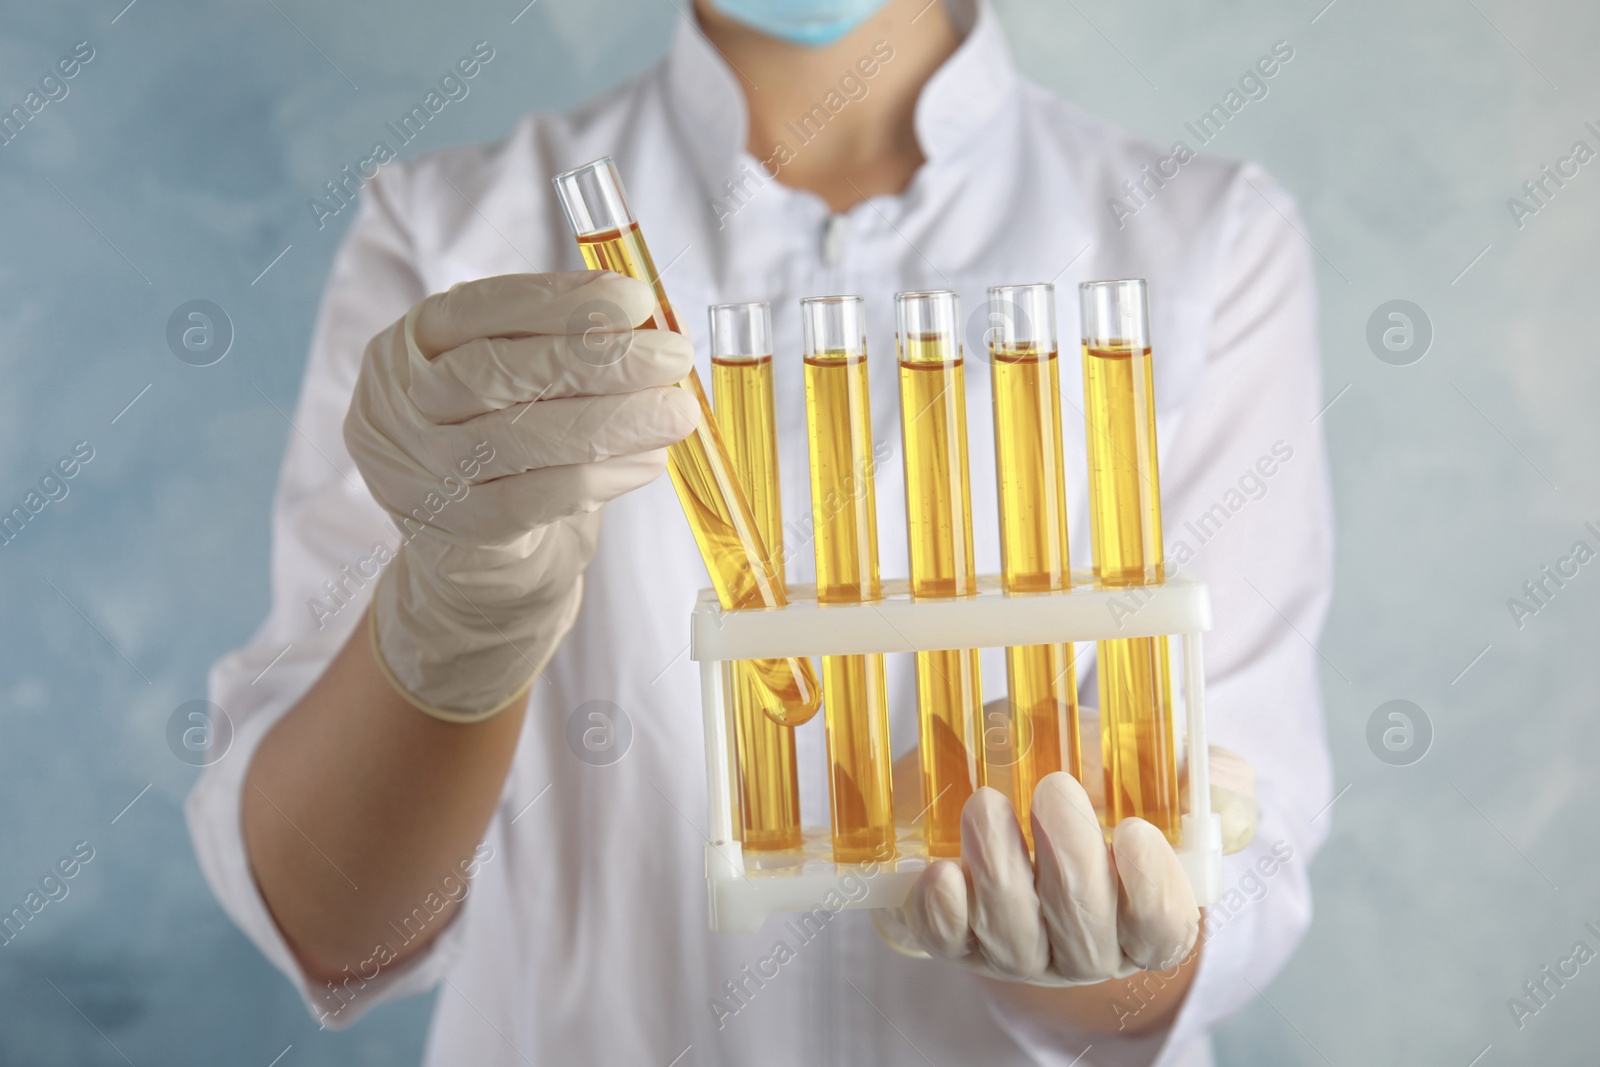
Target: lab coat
(583,936)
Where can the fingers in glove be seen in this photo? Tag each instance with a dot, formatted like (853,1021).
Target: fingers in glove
(515,305)
(1233,797)
(553,433)
(1003,907)
(937,910)
(1157,917)
(490,373)
(506,509)
(1076,885)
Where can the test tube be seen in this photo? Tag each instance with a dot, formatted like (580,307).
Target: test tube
(741,395)
(1041,731)
(933,422)
(724,526)
(1136,731)
(844,512)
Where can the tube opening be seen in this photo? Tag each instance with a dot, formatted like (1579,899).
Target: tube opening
(1116,314)
(1022,317)
(833,326)
(592,199)
(926,325)
(740,331)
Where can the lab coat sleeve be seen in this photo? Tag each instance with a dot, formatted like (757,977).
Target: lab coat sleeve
(329,537)
(1247,509)
(1253,504)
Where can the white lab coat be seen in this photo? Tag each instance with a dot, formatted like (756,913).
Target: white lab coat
(583,939)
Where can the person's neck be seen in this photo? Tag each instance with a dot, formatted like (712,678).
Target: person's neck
(866,147)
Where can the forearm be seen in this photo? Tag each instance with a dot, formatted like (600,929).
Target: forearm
(356,804)
(1127,1006)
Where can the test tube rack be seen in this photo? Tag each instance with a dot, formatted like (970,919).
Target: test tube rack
(747,887)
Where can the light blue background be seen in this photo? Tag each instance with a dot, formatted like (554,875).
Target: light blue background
(180,164)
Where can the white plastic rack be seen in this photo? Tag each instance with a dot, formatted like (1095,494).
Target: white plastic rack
(747,888)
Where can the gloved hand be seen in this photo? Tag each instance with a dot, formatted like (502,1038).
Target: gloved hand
(1079,912)
(492,422)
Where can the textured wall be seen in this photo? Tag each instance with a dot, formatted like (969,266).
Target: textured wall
(177,166)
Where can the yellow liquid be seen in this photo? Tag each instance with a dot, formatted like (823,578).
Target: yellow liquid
(719,515)
(844,512)
(1136,732)
(1041,679)
(933,421)
(769,784)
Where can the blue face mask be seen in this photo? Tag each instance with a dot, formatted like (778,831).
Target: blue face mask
(809,22)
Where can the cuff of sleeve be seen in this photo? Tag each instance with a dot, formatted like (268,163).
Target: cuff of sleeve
(1249,934)
(213,814)
(1261,917)
(1183,1042)
(443,714)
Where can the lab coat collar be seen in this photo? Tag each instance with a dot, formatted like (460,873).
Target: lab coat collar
(970,87)
(706,95)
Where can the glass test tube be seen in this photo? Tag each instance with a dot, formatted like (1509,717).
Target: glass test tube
(741,394)
(1041,734)
(724,527)
(1136,730)
(844,511)
(933,422)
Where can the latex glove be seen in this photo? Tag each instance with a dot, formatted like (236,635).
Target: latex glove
(1078,912)
(1233,797)
(492,422)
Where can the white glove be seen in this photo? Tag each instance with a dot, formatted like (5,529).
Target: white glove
(1233,797)
(492,422)
(1078,914)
